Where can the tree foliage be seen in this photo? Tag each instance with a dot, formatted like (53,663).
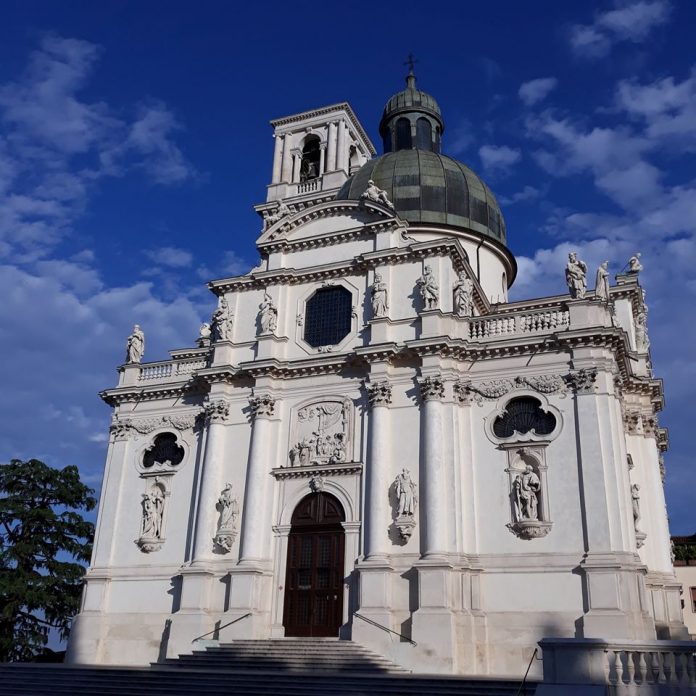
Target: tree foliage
(44,542)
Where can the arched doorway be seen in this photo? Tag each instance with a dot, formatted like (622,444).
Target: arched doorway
(315,568)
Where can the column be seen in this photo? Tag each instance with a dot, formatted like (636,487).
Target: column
(251,549)
(287,160)
(377,514)
(341,146)
(612,574)
(277,158)
(296,161)
(432,478)
(331,148)
(216,414)
(322,158)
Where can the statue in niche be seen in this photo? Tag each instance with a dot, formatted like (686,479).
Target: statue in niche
(429,289)
(152,504)
(221,329)
(635,502)
(228,507)
(135,346)
(323,434)
(278,214)
(463,296)
(642,340)
(634,264)
(602,282)
(268,315)
(576,276)
(380,306)
(525,495)
(406,499)
(376,195)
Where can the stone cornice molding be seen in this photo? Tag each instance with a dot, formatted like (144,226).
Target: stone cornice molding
(325,111)
(337,469)
(217,411)
(379,393)
(122,395)
(645,423)
(432,387)
(262,405)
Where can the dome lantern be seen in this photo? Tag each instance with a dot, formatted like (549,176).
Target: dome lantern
(411,120)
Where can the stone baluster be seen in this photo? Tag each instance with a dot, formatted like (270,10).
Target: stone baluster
(253,515)
(216,415)
(434,531)
(378,472)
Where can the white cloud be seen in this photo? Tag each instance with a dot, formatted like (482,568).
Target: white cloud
(170,256)
(528,193)
(629,21)
(497,161)
(234,264)
(537,90)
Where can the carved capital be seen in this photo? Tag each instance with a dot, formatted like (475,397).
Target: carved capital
(462,391)
(262,406)
(432,388)
(379,393)
(633,423)
(582,381)
(217,411)
(120,428)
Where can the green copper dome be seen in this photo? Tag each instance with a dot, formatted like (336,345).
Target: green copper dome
(431,189)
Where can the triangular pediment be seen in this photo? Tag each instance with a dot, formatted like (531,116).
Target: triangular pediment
(328,219)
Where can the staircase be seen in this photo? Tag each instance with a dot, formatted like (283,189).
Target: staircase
(291,667)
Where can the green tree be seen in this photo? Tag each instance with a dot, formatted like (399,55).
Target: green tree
(44,542)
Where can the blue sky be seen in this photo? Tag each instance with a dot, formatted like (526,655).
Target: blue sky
(134,140)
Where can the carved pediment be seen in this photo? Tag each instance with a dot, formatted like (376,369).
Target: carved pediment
(327,220)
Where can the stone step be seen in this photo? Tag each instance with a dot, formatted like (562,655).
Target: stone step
(35,680)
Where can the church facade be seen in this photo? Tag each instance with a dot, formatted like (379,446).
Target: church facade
(371,442)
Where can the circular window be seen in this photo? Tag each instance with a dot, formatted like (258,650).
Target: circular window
(328,316)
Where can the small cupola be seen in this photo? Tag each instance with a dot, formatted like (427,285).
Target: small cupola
(412,120)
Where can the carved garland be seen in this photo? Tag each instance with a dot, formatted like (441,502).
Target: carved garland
(122,427)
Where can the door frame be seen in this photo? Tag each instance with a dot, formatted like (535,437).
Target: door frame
(346,488)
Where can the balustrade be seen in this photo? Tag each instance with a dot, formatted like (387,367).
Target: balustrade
(511,324)
(170,369)
(308,186)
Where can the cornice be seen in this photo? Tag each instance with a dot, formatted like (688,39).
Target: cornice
(121,395)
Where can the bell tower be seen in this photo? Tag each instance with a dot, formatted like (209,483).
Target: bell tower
(315,153)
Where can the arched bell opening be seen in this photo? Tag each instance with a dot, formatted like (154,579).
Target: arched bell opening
(311,158)
(315,567)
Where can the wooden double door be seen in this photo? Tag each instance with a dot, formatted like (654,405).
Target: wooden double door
(315,568)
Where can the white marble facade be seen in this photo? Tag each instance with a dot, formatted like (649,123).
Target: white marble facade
(512,528)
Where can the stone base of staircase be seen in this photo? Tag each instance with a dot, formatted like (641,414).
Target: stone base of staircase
(292,667)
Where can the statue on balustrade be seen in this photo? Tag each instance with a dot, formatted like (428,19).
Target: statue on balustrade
(576,276)
(429,289)
(634,264)
(380,306)
(602,282)
(135,346)
(463,296)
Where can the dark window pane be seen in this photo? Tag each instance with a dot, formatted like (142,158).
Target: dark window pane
(163,450)
(328,317)
(424,134)
(524,415)
(403,134)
